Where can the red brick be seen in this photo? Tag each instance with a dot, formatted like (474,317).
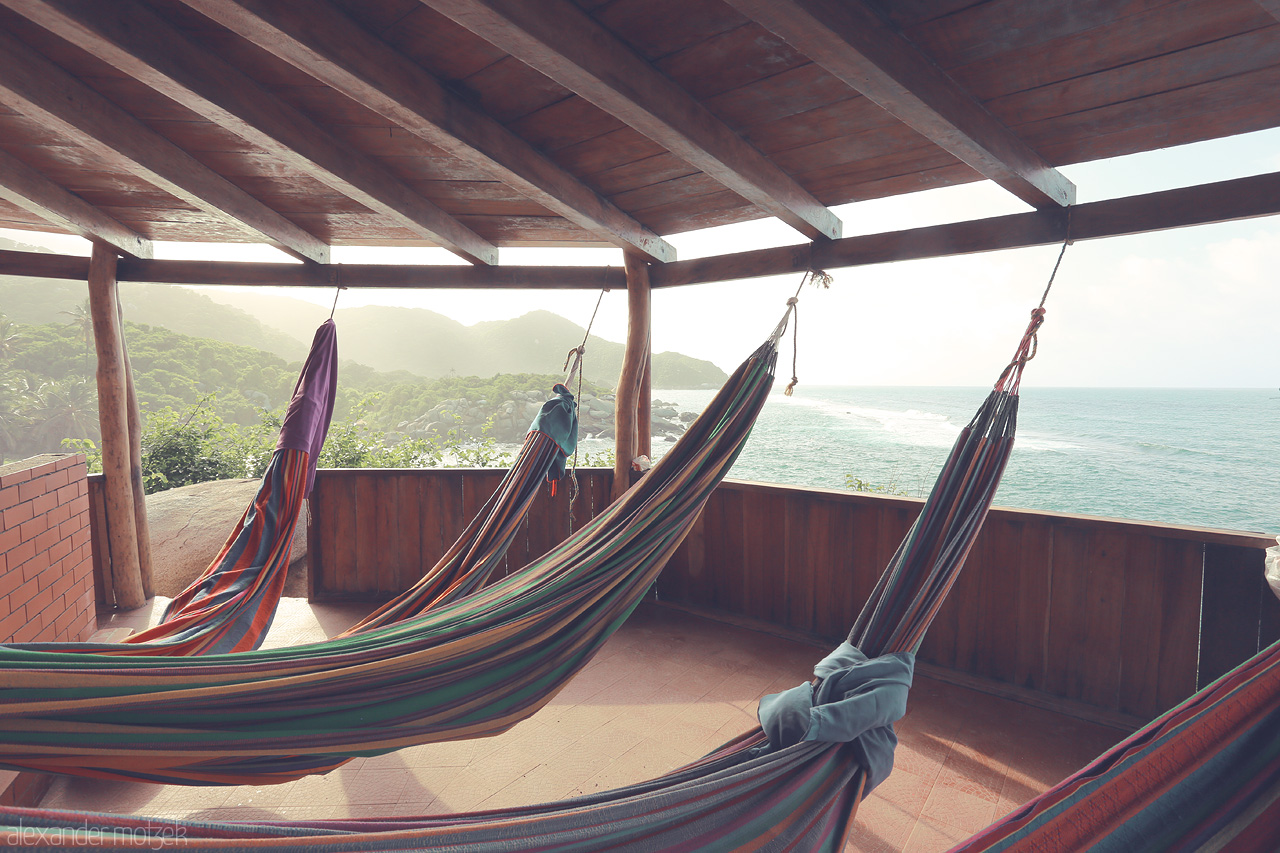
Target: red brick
(19,555)
(40,600)
(79,505)
(63,622)
(47,540)
(33,527)
(57,479)
(69,460)
(9,581)
(33,568)
(9,537)
(44,503)
(8,497)
(62,585)
(44,469)
(31,489)
(13,478)
(10,624)
(24,592)
(29,632)
(68,528)
(60,550)
(16,514)
(82,488)
(85,601)
(67,493)
(80,537)
(57,515)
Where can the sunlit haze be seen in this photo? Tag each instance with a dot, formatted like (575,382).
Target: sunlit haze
(1192,307)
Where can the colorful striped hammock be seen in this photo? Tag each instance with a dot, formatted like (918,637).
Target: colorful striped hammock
(747,795)
(471,667)
(229,607)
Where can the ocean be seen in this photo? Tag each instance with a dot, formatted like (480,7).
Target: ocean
(1200,457)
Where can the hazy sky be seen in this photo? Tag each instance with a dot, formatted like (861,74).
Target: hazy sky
(1193,307)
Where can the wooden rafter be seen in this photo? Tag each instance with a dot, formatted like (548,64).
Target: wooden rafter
(852,42)
(33,85)
(561,41)
(132,38)
(28,189)
(321,40)
(1224,201)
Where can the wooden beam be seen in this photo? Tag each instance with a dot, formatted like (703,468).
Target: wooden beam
(133,413)
(113,417)
(415,276)
(627,427)
(131,37)
(852,42)
(1224,201)
(28,189)
(563,42)
(36,87)
(320,39)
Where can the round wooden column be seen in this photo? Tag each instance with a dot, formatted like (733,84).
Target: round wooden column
(113,417)
(631,414)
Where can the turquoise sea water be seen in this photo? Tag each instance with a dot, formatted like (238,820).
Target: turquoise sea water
(1181,456)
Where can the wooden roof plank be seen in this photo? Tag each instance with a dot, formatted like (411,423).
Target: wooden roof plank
(134,39)
(563,42)
(853,43)
(25,187)
(318,38)
(32,84)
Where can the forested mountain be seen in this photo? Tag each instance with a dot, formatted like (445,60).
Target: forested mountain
(432,345)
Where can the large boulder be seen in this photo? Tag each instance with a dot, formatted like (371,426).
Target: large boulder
(190,525)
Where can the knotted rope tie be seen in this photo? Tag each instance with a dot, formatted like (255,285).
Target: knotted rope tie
(793,305)
(1027,349)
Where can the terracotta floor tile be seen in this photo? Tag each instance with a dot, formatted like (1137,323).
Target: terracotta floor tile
(666,689)
(927,837)
(959,809)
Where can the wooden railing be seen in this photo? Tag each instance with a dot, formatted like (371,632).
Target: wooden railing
(1106,613)
(373,533)
(1124,617)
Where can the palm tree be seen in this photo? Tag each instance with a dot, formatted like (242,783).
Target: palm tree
(82,318)
(13,420)
(8,335)
(63,409)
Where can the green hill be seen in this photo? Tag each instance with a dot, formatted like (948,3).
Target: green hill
(432,345)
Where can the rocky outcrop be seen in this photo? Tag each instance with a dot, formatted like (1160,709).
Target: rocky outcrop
(507,421)
(190,525)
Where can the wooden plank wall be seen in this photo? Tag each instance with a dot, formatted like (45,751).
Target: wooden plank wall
(1105,613)
(373,533)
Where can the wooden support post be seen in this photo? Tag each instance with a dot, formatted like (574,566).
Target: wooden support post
(644,401)
(114,419)
(626,424)
(134,413)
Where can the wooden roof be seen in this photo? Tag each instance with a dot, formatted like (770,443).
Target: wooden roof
(475,124)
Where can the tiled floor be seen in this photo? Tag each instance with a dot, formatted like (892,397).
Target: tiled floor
(664,690)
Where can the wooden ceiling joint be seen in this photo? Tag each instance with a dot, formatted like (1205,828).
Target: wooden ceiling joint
(33,192)
(132,38)
(852,42)
(321,40)
(32,85)
(560,40)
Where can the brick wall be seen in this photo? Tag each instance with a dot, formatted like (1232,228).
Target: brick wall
(46,582)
